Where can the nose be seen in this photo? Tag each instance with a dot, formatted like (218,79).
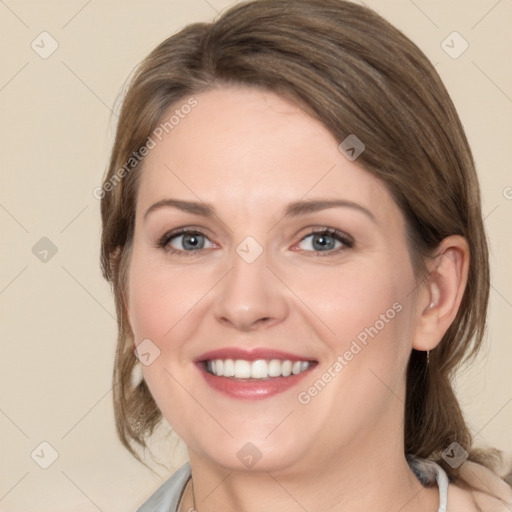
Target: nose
(250,297)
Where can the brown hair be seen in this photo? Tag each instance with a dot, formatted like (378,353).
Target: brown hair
(357,74)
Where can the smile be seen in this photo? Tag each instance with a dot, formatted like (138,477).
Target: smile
(258,369)
(253,374)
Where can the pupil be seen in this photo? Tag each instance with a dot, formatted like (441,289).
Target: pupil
(192,241)
(323,242)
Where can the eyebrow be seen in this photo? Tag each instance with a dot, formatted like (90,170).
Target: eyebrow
(294,209)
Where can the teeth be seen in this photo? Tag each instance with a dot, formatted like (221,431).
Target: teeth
(229,368)
(242,369)
(259,369)
(287,368)
(296,367)
(274,368)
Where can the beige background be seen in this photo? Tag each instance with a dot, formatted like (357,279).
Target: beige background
(58,325)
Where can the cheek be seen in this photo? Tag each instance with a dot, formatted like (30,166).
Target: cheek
(357,298)
(368,309)
(160,304)
(369,313)
(160,297)
(147,307)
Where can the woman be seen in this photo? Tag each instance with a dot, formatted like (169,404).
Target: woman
(292,228)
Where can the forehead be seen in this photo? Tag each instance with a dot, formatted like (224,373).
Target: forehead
(249,148)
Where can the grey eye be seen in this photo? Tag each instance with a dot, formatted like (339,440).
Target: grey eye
(320,242)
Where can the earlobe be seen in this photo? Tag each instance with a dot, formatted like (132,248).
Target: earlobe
(114,257)
(442,294)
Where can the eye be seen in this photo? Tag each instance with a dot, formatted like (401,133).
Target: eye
(326,240)
(185,240)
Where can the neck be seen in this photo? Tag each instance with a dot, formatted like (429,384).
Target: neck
(364,476)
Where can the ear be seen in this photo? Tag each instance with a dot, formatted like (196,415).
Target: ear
(114,257)
(440,297)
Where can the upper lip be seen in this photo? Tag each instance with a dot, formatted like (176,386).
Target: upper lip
(251,354)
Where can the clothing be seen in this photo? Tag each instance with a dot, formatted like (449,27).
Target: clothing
(167,497)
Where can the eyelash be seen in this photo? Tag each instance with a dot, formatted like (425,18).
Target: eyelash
(164,241)
(348,242)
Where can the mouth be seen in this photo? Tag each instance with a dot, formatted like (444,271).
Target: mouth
(260,369)
(252,375)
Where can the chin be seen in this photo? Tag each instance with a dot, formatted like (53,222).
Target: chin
(254,453)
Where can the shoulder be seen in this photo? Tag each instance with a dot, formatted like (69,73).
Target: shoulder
(167,496)
(478,489)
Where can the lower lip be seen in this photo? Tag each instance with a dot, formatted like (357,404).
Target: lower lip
(244,389)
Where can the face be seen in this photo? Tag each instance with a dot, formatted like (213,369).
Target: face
(272,284)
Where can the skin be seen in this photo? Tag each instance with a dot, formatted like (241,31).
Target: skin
(249,153)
